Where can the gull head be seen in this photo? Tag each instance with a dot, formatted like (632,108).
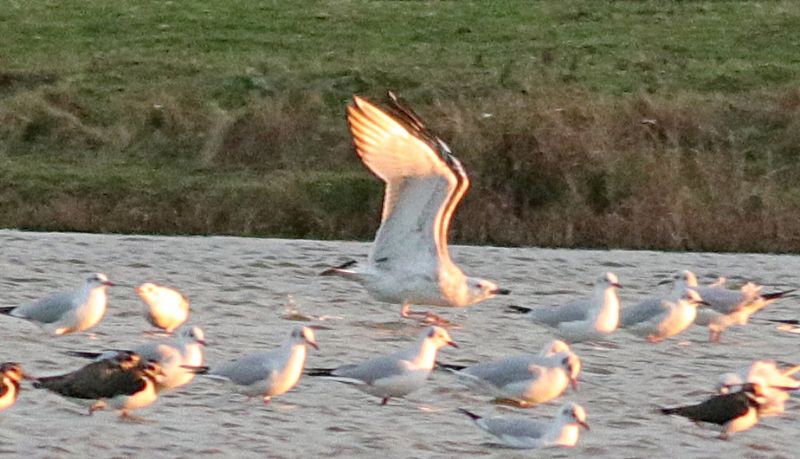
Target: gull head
(571,364)
(608,279)
(13,371)
(481,289)
(554,347)
(304,335)
(98,280)
(193,334)
(573,413)
(439,337)
(691,297)
(726,381)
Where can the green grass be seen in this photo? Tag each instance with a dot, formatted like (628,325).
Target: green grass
(623,124)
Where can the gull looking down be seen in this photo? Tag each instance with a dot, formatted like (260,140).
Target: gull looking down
(518,432)
(409,262)
(166,308)
(525,380)
(582,320)
(68,312)
(393,375)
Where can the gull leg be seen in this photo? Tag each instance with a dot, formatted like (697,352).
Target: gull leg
(426,317)
(714,335)
(384,401)
(267,400)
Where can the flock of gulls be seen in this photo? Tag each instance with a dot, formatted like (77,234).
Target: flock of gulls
(409,264)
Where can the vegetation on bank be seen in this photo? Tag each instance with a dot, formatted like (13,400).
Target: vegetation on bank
(641,124)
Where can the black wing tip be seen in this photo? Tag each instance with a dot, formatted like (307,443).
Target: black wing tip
(7,309)
(198,370)
(785,321)
(469,413)
(337,269)
(319,371)
(449,366)
(83,354)
(518,309)
(776,295)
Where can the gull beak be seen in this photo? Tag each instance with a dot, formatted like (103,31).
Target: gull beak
(584,425)
(574,383)
(453,343)
(616,284)
(500,291)
(201,342)
(312,344)
(108,284)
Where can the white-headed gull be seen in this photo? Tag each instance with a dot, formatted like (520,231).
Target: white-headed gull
(657,320)
(410,262)
(518,432)
(271,373)
(67,312)
(525,380)
(165,308)
(394,375)
(588,319)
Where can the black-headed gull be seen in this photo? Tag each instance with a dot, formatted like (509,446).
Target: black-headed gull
(10,375)
(125,382)
(657,320)
(165,308)
(393,375)
(67,312)
(271,373)
(174,355)
(525,380)
(519,432)
(588,319)
(410,262)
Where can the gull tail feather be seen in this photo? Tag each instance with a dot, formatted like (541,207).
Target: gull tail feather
(785,321)
(518,309)
(449,367)
(7,309)
(339,270)
(198,370)
(319,371)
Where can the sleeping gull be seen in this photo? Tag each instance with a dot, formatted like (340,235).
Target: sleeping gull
(410,262)
(394,375)
(173,354)
(10,375)
(766,373)
(166,308)
(125,382)
(267,374)
(525,380)
(67,312)
(583,320)
(730,307)
(519,432)
(657,320)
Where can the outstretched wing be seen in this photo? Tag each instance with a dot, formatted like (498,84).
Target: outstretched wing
(424,183)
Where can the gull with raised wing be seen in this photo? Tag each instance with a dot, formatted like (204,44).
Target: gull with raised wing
(174,355)
(525,380)
(394,375)
(67,312)
(582,320)
(267,374)
(520,432)
(124,382)
(659,320)
(774,382)
(731,307)
(10,376)
(409,262)
(165,308)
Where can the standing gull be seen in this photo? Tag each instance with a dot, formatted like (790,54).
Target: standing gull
(661,319)
(410,262)
(583,320)
(525,380)
(10,375)
(166,308)
(731,307)
(270,373)
(124,382)
(67,312)
(394,375)
(174,355)
(519,432)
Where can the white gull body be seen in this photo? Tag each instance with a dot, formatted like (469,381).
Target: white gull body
(657,320)
(518,432)
(165,308)
(397,374)
(68,312)
(409,262)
